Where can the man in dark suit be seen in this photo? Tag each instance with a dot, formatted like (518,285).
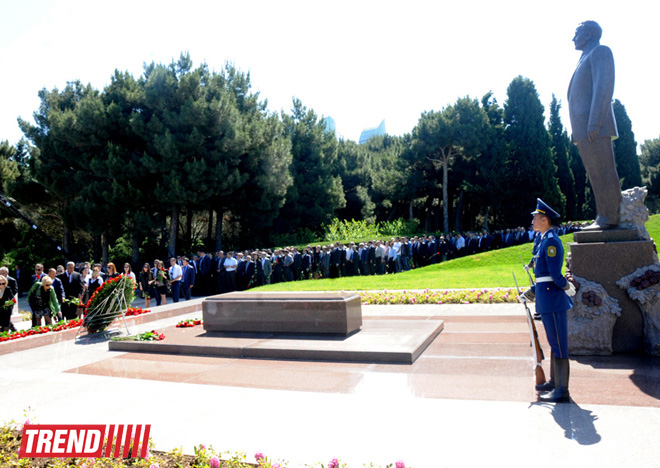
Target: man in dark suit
(73,288)
(592,121)
(204,272)
(306,264)
(187,279)
(38,274)
(296,266)
(249,269)
(335,261)
(371,258)
(264,269)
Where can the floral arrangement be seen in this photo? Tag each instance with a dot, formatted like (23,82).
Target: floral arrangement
(188,323)
(161,276)
(72,301)
(133,311)
(108,302)
(461,296)
(59,326)
(152,335)
(10,303)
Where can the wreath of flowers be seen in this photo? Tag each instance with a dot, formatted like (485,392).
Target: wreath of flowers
(108,302)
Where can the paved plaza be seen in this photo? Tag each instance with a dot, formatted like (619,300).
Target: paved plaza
(468,400)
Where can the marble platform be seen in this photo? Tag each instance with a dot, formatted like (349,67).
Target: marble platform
(379,341)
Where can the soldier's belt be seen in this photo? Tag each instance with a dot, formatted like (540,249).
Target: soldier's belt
(544,279)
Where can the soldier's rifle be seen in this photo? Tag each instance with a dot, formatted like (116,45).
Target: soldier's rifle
(537,352)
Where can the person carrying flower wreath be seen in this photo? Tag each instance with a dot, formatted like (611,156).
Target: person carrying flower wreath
(43,301)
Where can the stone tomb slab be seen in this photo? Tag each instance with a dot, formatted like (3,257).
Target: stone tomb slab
(276,312)
(379,341)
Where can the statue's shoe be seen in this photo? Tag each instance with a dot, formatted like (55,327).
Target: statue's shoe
(600,224)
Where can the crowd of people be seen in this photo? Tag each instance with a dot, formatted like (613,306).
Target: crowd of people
(58,292)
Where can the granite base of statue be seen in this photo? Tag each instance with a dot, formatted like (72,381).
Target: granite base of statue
(613,264)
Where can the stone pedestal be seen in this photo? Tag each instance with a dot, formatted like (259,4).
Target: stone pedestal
(273,312)
(605,262)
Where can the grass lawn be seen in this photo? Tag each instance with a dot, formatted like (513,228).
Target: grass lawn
(488,269)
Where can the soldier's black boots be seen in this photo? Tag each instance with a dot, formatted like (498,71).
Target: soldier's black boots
(560,393)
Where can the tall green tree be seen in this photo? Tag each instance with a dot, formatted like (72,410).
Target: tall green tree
(59,158)
(625,149)
(531,171)
(581,184)
(440,137)
(650,161)
(490,166)
(560,143)
(316,192)
(8,165)
(355,163)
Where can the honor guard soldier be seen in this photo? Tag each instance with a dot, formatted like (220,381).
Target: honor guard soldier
(553,300)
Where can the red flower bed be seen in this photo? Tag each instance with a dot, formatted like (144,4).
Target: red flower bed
(9,336)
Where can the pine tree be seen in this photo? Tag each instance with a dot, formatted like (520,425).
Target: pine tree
(560,146)
(650,161)
(531,171)
(625,149)
(316,192)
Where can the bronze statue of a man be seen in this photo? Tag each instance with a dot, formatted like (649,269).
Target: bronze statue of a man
(592,120)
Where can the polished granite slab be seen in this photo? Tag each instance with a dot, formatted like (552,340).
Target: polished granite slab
(390,341)
(288,312)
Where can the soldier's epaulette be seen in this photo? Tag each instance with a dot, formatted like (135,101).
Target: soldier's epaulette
(550,235)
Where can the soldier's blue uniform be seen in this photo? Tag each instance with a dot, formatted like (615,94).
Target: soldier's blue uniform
(552,302)
(551,299)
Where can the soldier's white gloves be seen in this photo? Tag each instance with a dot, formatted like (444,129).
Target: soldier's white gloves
(527,296)
(570,289)
(528,267)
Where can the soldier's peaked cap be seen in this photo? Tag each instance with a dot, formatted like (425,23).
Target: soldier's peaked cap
(543,208)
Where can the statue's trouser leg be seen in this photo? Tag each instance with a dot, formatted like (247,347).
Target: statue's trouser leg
(598,159)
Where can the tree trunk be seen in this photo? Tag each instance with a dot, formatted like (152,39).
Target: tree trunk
(218,231)
(135,252)
(410,211)
(209,234)
(428,213)
(486,218)
(97,248)
(189,218)
(445,192)
(66,237)
(174,229)
(104,247)
(459,212)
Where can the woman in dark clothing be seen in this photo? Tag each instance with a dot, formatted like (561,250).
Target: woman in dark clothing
(95,281)
(146,282)
(112,271)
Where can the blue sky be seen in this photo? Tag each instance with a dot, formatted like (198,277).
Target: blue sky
(359,62)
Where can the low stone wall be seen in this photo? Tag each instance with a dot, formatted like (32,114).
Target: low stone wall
(157,313)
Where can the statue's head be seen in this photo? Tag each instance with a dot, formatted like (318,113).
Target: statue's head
(586,32)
